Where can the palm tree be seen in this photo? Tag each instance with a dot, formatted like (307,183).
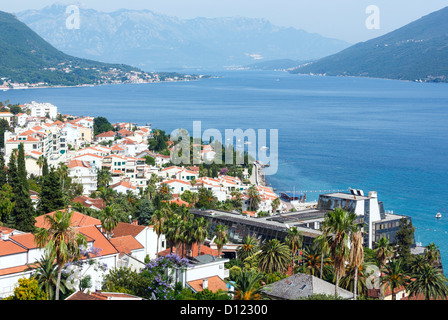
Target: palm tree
(104,177)
(430,282)
(254,197)
(61,241)
(356,257)
(109,219)
(62,171)
(151,189)
(108,195)
(323,243)
(248,248)
(173,231)
(418,263)
(221,237)
(383,251)
(236,197)
(131,197)
(158,220)
(294,240)
(40,162)
(340,224)
(200,226)
(275,204)
(314,262)
(394,276)
(274,256)
(46,273)
(355,279)
(432,254)
(247,285)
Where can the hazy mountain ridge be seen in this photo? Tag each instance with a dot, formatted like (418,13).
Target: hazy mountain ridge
(154,41)
(417,52)
(26,58)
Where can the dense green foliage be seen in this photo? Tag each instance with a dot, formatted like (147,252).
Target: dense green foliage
(24,55)
(101,124)
(417,51)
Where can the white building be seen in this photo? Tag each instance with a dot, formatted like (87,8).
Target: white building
(177,186)
(83,173)
(42,110)
(18,252)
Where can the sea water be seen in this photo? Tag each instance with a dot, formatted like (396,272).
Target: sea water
(333,132)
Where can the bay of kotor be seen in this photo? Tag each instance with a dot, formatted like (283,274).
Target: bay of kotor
(334,132)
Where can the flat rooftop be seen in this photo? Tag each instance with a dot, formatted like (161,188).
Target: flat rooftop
(347,196)
(266,222)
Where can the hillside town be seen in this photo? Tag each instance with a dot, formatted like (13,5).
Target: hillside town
(103,168)
(109,76)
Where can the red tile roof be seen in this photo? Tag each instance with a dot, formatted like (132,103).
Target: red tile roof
(78,220)
(100,240)
(9,247)
(126,244)
(109,134)
(215,283)
(89,202)
(127,229)
(194,251)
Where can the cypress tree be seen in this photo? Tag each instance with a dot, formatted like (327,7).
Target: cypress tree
(51,196)
(12,171)
(3,174)
(23,212)
(44,168)
(21,168)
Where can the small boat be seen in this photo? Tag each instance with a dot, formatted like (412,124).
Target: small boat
(438,215)
(264,148)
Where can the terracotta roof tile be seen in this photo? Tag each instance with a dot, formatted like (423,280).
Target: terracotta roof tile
(126,244)
(78,220)
(215,283)
(127,229)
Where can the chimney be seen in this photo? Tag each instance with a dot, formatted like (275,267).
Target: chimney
(204,284)
(69,209)
(5,236)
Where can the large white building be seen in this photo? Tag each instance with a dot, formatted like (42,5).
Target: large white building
(47,139)
(85,174)
(42,110)
(376,222)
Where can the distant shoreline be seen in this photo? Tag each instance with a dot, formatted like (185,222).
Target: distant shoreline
(98,85)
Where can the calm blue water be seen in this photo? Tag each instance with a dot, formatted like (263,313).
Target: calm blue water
(334,133)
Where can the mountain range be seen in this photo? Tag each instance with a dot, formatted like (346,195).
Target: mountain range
(417,51)
(26,58)
(155,42)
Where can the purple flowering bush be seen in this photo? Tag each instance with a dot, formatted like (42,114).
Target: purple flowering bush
(163,272)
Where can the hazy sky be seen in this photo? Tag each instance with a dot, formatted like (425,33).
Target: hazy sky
(341,19)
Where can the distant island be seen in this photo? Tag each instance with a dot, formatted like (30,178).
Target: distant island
(415,52)
(28,61)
